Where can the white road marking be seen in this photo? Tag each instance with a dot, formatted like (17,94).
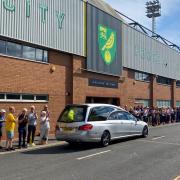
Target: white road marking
(157,142)
(158,137)
(89,156)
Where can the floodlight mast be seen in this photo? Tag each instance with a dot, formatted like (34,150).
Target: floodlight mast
(153,11)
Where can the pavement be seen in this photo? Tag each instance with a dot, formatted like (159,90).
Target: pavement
(154,158)
(51,142)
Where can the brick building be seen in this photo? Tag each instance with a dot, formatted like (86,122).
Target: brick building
(50,53)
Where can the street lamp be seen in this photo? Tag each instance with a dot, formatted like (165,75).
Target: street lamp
(153,11)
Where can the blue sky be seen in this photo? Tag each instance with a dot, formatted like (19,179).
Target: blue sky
(168,25)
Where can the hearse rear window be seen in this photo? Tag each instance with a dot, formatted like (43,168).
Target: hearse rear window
(73,114)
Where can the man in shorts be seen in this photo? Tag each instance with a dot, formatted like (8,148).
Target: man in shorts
(2,120)
(10,126)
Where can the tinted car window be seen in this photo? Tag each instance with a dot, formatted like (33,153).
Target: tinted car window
(120,115)
(100,113)
(113,116)
(130,116)
(73,114)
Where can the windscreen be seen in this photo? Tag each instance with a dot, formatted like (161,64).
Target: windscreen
(73,114)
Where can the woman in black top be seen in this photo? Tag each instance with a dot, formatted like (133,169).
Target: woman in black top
(22,129)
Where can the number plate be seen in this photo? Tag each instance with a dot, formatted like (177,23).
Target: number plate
(69,129)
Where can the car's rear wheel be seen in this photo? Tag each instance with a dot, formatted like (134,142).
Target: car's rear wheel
(105,139)
(145,132)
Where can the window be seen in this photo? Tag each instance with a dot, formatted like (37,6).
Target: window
(39,54)
(23,51)
(14,49)
(178,104)
(2,96)
(23,97)
(100,113)
(163,103)
(13,97)
(2,47)
(142,76)
(114,116)
(130,116)
(45,56)
(41,97)
(144,102)
(28,52)
(121,115)
(163,80)
(73,114)
(178,83)
(27,97)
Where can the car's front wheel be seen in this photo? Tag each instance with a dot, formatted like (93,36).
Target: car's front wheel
(105,139)
(145,132)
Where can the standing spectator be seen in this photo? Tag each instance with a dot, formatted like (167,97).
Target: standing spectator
(126,107)
(178,115)
(10,126)
(47,123)
(32,123)
(2,120)
(22,129)
(173,115)
(157,111)
(47,111)
(162,116)
(145,114)
(168,115)
(131,110)
(44,127)
(153,115)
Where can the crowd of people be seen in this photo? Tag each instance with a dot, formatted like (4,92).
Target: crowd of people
(156,116)
(27,122)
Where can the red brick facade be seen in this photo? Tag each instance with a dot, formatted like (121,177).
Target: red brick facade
(69,84)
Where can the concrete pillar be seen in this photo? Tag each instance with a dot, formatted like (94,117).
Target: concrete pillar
(153,90)
(173,93)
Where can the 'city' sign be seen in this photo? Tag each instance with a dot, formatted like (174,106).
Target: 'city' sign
(9,6)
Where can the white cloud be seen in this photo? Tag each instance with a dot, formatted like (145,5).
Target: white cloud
(135,9)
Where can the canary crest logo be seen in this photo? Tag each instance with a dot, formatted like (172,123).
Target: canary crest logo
(107,43)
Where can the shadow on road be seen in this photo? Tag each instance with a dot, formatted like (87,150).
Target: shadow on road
(63,149)
(66,148)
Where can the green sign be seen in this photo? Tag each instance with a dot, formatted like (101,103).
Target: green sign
(107,39)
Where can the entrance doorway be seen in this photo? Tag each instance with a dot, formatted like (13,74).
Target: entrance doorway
(103,100)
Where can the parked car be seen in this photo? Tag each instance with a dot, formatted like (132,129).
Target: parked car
(97,123)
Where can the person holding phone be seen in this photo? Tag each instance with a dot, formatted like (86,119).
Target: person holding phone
(32,123)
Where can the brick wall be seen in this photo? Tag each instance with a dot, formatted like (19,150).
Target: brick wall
(20,76)
(133,89)
(69,84)
(80,83)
